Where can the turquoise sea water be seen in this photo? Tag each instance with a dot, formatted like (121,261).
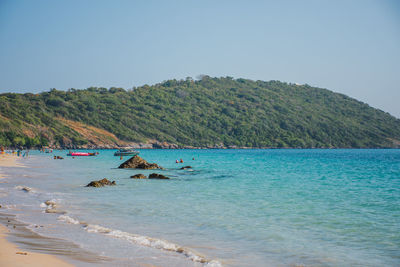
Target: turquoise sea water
(233,208)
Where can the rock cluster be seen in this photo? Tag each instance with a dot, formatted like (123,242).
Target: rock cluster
(26,189)
(137,162)
(151,176)
(157,176)
(139,176)
(164,145)
(101,183)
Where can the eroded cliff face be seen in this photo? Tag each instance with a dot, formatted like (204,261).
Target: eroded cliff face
(100,138)
(95,137)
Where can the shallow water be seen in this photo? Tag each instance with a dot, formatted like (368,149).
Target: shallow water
(234,207)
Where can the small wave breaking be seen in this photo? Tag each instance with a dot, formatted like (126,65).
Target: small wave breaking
(142,240)
(68,219)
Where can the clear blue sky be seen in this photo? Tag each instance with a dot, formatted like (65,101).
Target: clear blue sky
(352,47)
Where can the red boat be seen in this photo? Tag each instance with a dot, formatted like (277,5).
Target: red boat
(81,154)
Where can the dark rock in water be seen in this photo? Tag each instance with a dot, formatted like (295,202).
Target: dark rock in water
(186,167)
(95,184)
(137,162)
(50,203)
(101,183)
(157,176)
(139,176)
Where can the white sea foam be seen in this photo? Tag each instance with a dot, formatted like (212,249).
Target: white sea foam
(68,219)
(213,263)
(143,240)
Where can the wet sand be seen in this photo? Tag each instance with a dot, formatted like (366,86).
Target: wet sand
(10,254)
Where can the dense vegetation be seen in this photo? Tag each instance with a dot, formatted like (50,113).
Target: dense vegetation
(205,112)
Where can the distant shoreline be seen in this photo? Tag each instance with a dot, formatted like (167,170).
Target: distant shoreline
(9,149)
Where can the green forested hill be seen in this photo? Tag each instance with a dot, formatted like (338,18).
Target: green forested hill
(210,111)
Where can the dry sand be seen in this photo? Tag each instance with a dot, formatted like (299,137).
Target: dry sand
(10,255)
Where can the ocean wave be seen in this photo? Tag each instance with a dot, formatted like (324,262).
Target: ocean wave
(143,240)
(68,219)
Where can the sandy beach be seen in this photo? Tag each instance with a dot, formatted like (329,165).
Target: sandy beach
(7,160)
(10,254)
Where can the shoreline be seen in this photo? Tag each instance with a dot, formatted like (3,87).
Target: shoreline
(202,148)
(10,253)
(16,236)
(41,169)
(32,241)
